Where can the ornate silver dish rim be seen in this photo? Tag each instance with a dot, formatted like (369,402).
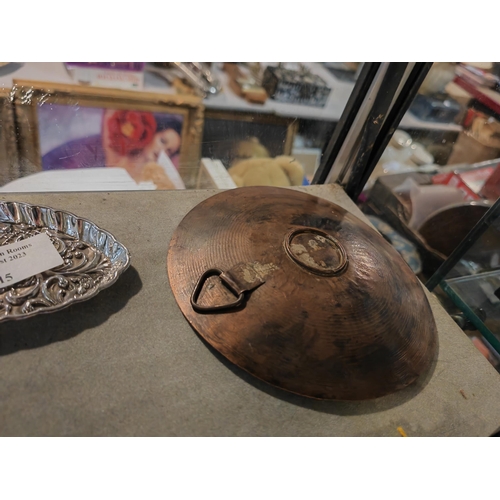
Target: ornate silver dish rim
(86,231)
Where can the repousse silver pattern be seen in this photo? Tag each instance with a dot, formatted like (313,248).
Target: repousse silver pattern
(93,260)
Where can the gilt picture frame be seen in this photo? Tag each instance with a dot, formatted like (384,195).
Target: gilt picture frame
(74,126)
(9,161)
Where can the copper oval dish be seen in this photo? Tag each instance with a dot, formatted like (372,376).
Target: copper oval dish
(300,293)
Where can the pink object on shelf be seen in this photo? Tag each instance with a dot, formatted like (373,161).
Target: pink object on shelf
(116,75)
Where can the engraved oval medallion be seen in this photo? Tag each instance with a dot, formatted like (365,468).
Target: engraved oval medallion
(316,251)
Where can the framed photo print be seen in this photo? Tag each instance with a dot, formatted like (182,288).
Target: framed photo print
(154,137)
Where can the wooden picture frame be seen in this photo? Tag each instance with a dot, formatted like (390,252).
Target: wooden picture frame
(30,96)
(275,133)
(9,160)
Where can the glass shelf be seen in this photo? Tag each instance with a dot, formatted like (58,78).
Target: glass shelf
(475,297)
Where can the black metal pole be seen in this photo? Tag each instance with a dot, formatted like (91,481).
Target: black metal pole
(361,87)
(373,126)
(401,106)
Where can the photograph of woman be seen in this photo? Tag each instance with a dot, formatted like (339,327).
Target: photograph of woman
(145,144)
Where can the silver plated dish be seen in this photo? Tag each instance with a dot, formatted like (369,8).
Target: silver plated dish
(93,260)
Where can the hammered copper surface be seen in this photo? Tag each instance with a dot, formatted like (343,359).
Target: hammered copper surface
(333,313)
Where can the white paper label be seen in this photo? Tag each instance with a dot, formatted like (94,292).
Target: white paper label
(26,258)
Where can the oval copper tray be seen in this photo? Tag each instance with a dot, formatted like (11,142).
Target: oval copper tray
(300,293)
(93,260)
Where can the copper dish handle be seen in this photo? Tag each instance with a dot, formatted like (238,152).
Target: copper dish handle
(229,284)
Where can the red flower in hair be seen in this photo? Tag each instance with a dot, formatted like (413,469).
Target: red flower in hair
(130,131)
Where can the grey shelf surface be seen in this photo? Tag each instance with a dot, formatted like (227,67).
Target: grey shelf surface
(127,363)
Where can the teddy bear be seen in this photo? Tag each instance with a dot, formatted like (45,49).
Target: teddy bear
(252,166)
(250,147)
(282,171)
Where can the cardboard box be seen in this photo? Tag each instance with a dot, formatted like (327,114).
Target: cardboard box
(470,183)
(111,75)
(467,149)
(491,188)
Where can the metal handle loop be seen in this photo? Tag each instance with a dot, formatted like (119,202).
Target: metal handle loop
(229,285)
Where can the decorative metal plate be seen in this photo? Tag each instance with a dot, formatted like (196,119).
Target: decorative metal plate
(300,293)
(93,260)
